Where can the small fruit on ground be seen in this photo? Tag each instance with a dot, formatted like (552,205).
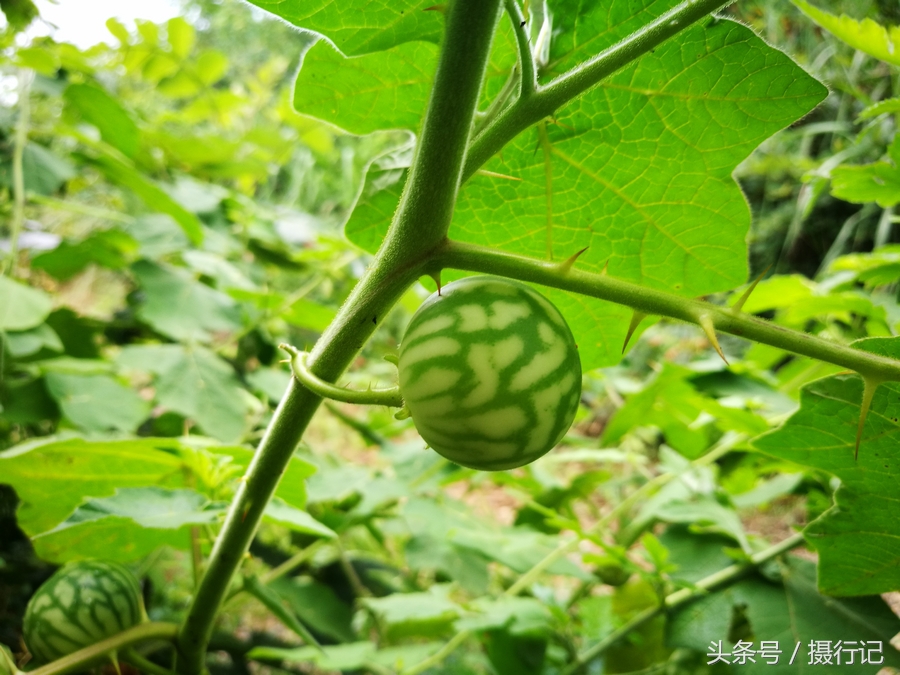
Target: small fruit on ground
(490,373)
(81,604)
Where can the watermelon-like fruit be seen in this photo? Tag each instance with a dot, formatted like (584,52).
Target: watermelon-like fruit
(490,373)
(81,604)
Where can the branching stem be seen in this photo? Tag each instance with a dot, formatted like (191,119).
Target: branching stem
(545,100)
(475,258)
(673,601)
(419,229)
(563,549)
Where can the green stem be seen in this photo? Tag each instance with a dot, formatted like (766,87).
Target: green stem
(654,302)
(18,175)
(683,596)
(84,658)
(144,665)
(528,69)
(389,397)
(545,100)
(418,229)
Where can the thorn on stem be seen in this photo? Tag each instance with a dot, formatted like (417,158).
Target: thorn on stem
(870,384)
(437,279)
(739,305)
(567,264)
(436,8)
(605,270)
(636,319)
(706,323)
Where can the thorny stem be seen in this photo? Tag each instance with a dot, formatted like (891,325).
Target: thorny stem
(683,596)
(419,228)
(654,302)
(18,174)
(545,100)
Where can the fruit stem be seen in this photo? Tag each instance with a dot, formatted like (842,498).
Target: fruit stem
(389,397)
(83,658)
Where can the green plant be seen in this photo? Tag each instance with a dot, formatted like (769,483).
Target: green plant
(489,371)
(80,605)
(593,128)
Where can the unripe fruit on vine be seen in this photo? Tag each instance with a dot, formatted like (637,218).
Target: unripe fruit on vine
(490,373)
(610,571)
(81,604)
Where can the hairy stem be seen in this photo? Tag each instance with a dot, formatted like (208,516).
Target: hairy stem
(527,66)
(84,658)
(654,302)
(723,577)
(419,228)
(545,100)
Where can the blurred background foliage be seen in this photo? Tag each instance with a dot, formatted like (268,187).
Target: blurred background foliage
(180,220)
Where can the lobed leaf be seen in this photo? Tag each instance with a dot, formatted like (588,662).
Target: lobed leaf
(858,539)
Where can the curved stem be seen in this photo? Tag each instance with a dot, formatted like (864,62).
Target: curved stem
(650,301)
(546,100)
(389,397)
(723,577)
(419,228)
(526,56)
(83,658)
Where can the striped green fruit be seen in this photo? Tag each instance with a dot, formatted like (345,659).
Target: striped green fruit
(81,604)
(490,373)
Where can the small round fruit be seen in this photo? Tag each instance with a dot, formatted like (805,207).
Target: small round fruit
(490,373)
(81,604)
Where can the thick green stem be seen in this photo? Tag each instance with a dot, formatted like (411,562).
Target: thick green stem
(723,577)
(79,661)
(650,301)
(546,100)
(419,228)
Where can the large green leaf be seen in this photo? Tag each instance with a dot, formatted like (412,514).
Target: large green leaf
(181,308)
(638,169)
(21,307)
(791,613)
(128,525)
(361,29)
(52,478)
(866,35)
(858,540)
(385,90)
(97,402)
(195,383)
(98,108)
(149,192)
